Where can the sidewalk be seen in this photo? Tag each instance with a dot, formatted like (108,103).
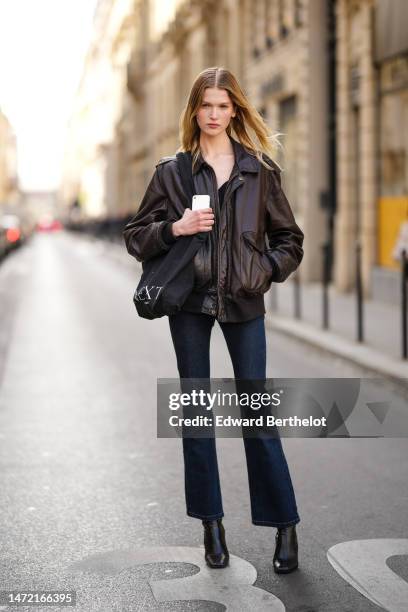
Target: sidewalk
(381,350)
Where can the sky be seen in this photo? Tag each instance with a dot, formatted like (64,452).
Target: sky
(43,44)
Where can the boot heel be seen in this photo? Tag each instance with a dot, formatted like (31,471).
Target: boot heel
(285,559)
(216,551)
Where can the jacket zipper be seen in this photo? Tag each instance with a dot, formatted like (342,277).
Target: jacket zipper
(229,190)
(217,225)
(230,220)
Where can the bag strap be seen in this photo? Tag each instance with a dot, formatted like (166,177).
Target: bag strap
(185,166)
(184,161)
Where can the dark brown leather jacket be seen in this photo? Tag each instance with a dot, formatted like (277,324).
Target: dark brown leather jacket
(236,265)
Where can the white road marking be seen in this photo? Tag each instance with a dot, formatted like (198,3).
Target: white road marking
(231,586)
(362,563)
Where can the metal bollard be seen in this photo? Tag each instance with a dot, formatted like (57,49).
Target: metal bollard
(325,285)
(274,297)
(296,297)
(404,313)
(359,295)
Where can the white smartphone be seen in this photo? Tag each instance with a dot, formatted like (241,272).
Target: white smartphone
(200,201)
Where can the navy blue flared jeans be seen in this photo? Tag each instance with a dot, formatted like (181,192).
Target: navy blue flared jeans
(271,492)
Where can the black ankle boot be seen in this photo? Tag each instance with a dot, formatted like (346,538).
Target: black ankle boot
(285,559)
(216,552)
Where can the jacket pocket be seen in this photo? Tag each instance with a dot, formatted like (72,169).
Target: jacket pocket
(202,266)
(255,267)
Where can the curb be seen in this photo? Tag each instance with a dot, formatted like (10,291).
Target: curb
(362,355)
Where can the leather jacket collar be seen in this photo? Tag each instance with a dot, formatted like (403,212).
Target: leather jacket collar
(246,162)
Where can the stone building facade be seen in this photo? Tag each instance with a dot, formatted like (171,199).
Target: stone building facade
(319,71)
(90,169)
(372,141)
(8,164)
(277,51)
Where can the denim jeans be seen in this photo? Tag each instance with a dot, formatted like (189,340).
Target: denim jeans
(271,492)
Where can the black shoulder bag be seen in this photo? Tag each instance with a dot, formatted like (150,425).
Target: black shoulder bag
(168,279)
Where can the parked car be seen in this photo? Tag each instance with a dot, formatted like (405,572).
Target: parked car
(3,243)
(12,231)
(48,224)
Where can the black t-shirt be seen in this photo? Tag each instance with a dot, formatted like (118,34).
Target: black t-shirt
(221,193)
(167,234)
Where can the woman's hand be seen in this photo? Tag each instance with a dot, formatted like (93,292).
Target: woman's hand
(194,221)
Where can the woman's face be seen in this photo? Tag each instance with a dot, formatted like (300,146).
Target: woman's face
(215,111)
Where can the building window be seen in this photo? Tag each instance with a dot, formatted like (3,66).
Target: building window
(298,17)
(268,24)
(288,158)
(283,29)
(258,25)
(393,146)
(394,127)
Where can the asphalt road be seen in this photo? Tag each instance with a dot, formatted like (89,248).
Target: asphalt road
(92,501)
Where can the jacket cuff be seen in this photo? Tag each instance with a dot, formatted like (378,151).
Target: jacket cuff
(167,234)
(276,271)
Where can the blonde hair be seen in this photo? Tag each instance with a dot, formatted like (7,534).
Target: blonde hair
(261,143)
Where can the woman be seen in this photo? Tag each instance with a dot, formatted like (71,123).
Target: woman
(233,270)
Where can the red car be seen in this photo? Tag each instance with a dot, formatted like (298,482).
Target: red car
(49,225)
(11,230)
